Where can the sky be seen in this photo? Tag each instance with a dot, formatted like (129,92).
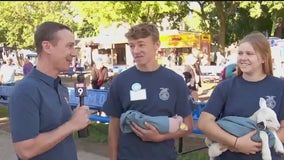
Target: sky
(194,4)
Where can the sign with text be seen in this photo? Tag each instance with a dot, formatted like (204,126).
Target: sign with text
(80,89)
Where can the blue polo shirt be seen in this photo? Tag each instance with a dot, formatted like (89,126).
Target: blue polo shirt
(39,104)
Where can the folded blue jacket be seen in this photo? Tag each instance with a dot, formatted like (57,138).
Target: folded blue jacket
(240,126)
(161,123)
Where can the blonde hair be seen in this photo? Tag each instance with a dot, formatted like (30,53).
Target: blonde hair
(143,30)
(260,44)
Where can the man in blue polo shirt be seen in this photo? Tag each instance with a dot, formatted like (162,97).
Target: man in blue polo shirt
(41,120)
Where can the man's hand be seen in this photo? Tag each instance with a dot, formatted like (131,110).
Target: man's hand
(150,134)
(80,118)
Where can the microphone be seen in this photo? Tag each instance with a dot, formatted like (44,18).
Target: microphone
(81,92)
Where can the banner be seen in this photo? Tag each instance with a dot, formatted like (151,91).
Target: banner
(184,40)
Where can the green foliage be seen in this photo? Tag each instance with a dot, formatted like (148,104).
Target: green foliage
(91,14)
(20,19)
(253,8)
(265,13)
(214,16)
(95,15)
(226,21)
(237,18)
(244,22)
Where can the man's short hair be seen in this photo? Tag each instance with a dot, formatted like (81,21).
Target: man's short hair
(47,32)
(143,30)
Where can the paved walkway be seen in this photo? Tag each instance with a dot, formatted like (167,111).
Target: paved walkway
(7,151)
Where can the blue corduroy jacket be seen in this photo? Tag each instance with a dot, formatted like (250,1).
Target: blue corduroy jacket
(240,126)
(160,122)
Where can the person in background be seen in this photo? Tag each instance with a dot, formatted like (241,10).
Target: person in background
(203,59)
(41,120)
(28,66)
(94,76)
(189,77)
(7,73)
(193,59)
(221,60)
(239,96)
(229,71)
(103,74)
(152,90)
(178,59)
(99,75)
(108,83)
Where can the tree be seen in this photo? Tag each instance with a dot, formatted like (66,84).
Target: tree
(249,17)
(152,12)
(214,15)
(226,21)
(20,19)
(224,10)
(131,12)
(275,10)
(229,21)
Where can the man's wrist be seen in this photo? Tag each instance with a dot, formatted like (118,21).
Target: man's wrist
(70,126)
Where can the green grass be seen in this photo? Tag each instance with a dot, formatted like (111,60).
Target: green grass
(196,155)
(4,111)
(97,133)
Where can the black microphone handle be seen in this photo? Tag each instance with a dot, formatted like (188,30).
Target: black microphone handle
(81,101)
(85,131)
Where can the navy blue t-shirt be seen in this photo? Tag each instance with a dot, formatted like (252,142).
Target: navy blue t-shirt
(238,97)
(158,93)
(38,104)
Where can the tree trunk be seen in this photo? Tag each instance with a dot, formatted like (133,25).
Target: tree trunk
(223,13)
(221,36)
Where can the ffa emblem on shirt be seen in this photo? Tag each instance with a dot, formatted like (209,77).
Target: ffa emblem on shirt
(164,94)
(270,101)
